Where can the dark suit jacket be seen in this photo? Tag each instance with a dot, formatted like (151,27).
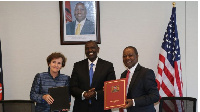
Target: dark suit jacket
(88,28)
(143,89)
(80,82)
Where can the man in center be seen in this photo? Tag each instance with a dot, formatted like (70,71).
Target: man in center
(87,80)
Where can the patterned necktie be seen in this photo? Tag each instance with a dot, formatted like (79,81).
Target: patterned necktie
(78,29)
(91,72)
(127,76)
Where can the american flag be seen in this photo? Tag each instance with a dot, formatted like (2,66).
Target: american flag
(1,77)
(169,77)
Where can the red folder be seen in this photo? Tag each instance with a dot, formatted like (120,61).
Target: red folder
(114,94)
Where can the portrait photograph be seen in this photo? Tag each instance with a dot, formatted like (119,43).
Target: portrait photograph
(79,22)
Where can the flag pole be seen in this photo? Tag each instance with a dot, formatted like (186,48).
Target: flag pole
(174,3)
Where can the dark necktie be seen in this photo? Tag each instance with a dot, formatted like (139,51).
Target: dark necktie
(127,76)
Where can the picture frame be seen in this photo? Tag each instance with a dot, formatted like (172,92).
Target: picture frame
(70,15)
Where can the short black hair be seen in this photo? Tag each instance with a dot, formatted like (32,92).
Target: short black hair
(135,50)
(93,42)
(82,4)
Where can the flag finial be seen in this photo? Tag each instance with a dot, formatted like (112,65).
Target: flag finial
(174,3)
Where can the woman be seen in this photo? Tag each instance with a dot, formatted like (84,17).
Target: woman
(43,81)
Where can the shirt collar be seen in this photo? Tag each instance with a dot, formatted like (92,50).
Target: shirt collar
(94,62)
(133,68)
(82,22)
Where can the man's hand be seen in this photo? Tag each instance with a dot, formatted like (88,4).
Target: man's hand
(85,94)
(48,98)
(129,103)
(90,93)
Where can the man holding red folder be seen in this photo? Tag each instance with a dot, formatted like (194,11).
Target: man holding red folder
(142,90)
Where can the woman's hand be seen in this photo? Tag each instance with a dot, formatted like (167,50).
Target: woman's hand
(66,109)
(48,98)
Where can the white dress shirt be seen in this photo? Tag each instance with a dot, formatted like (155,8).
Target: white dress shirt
(94,66)
(132,70)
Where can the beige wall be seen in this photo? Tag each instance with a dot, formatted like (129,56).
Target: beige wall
(30,31)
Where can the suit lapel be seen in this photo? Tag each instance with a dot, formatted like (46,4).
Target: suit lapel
(124,74)
(86,72)
(97,71)
(73,28)
(84,29)
(134,77)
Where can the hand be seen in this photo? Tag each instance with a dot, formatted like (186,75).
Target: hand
(64,110)
(48,98)
(85,94)
(90,93)
(129,103)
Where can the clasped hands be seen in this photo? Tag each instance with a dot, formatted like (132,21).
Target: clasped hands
(90,93)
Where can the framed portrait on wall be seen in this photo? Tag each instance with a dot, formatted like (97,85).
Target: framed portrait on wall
(79,22)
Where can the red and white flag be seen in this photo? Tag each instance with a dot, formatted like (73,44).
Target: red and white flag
(169,77)
(68,15)
(1,77)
